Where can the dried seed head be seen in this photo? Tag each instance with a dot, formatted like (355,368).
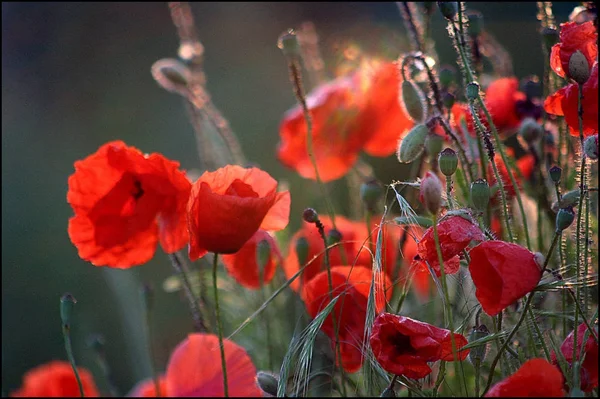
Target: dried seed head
(480,194)
(579,69)
(564,218)
(448,161)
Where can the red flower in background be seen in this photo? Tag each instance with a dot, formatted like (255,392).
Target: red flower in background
(194,369)
(564,103)
(352,283)
(536,378)
(502,273)
(124,203)
(455,234)
(349,114)
(147,389)
(56,379)
(404,346)
(574,37)
(228,206)
(243,265)
(589,367)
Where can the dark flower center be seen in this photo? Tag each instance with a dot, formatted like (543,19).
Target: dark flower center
(138,190)
(402,344)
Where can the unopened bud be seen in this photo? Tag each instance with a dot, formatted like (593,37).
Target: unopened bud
(477,353)
(334,236)
(263,253)
(310,215)
(288,43)
(413,144)
(530,130)
(302,250)
(555,173)
(447,75)
(590,147)
(370,193)
(475,23)
(532,87)
(472,91)
(448,100)
(448,161)
(171,75)
(579,69)
(564,218)
(448,9)
(480,194)
(413,101)
(430,193)
(67,302)
(267,382)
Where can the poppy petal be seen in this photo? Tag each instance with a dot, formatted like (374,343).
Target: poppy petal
(535,378)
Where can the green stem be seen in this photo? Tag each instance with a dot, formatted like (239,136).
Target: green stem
(67,336)
(219,327)
(263,298)
(449,191)
(189,293)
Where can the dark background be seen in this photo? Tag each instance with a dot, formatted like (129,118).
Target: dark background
(75,76)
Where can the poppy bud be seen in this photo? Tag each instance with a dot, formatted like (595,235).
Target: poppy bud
(447,75)
(413,101)
(448,161)
(288,43)
(334,236)
(555,173)
(430,193)
(310,215)
(448,9)
(171,75)
(475,23)
(388,393)
(67,302)
(302,250)
(550,36)
(413,144)
(267,382)
(477,353)
(370,193)
(590,147)
(472,91)
(564,218)
(530,130)
(480,194)
(532,87)
(579,69)
(263,253)
(448,100)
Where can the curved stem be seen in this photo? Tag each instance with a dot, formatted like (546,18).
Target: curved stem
(66,329)
(219,327)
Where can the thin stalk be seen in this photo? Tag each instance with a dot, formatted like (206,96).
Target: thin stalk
(219,327)
(266,316)
(189,293)
(440,378)
(449,191)
(66,329)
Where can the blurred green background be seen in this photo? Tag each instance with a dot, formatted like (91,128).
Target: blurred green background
(76,75)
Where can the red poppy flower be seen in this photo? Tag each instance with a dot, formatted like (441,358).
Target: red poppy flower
(56,379)
(147,389)
(243,264)
(194,369)
(386,118)
(564,103)
(353,284)
(228,206)
(574,37)
(404,346)
(337,138)
(589,367)
(502,273)
(525,164)
(535,379)
(124,202)
(501,98)
(455,234)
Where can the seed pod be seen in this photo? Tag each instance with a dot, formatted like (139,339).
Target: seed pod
(288,43)
(430,193)
(480,194)
(448,161)
(448,100)
(267,382)
(302,250)
(477,353)
(413,101)
(67,302)
(530,130)
(555,173)
(310,215)
(472,91)
(334,236)
(448,9)
(413,144)
(590,147)
(564,218)
(579,69)
(370,193)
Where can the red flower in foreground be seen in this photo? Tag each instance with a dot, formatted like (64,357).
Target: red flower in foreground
(574,37)
(564,103)
(455,234)
(352,284)
(535,379)
(124,203)
(56,379)
(228,206)
(589,367)
(502,273)
(404,346)
(147,389)
(243,265)
(194,369)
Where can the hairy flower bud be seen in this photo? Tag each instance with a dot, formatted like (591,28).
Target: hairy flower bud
(413,144)
(590,147)
(472,91)
(430,193)
(564,218)
(413,101)
(448,161)
(579,69)
(480,194)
